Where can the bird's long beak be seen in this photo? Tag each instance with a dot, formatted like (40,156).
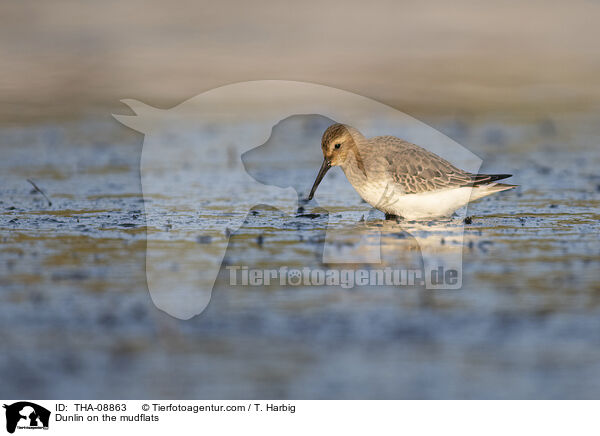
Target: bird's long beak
(324,168)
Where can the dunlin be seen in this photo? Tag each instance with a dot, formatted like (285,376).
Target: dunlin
(399,178)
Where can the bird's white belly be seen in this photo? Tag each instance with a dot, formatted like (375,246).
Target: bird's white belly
(414,206)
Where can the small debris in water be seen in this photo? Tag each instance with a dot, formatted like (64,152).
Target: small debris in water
(69,275)
(40,191)
(312,216)
(468,220)
(259,240)
(204,239)
(483,245)
(128,225)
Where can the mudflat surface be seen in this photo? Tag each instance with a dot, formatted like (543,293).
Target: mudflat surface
(78,320)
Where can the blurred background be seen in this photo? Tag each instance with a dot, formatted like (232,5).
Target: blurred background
(517,83)
(69,57)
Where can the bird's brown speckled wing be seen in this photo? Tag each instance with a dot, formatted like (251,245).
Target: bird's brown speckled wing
(417,170)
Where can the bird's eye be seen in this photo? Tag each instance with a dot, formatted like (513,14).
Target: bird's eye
(337,146)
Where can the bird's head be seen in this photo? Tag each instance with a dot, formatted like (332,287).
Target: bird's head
(338,145)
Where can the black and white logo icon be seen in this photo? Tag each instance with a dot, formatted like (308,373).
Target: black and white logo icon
(26,415)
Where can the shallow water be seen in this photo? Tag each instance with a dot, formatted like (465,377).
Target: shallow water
(74,300)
